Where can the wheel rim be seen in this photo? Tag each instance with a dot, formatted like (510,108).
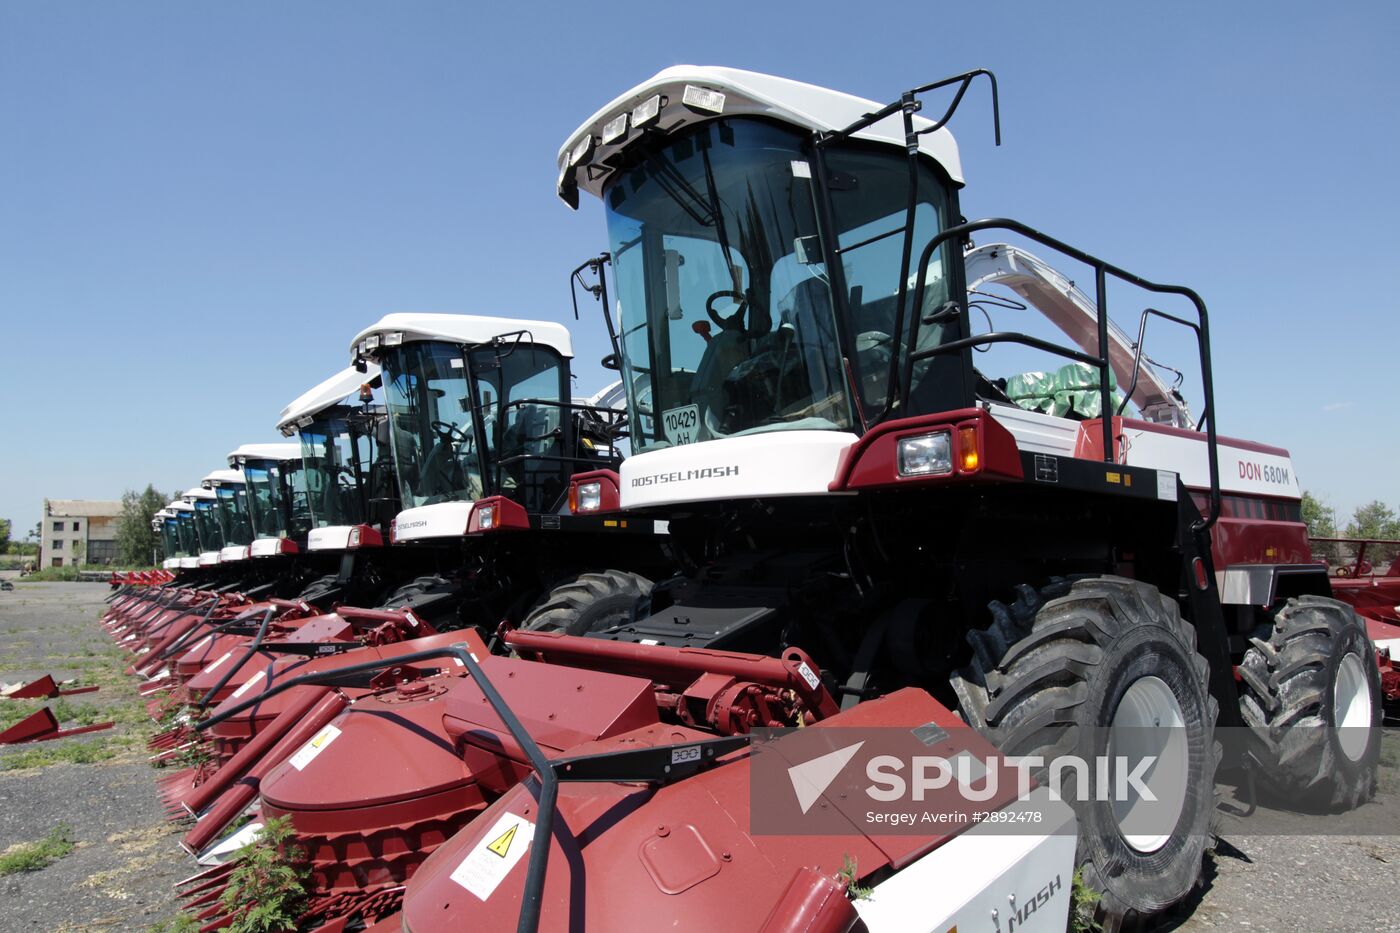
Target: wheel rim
(1149,722)
(1351,707)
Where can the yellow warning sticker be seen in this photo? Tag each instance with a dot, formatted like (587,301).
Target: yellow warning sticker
(501,845)
(499,849)
(319,742)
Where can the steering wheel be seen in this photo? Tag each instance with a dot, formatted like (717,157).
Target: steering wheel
(736,320)
(450,432)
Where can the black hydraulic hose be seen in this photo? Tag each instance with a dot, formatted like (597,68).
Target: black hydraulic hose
(533,895)
(252,649)
(185,636)
(154,609)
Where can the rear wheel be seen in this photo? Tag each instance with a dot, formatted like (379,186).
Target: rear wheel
(1107,668)
(1311,696)
(590,602)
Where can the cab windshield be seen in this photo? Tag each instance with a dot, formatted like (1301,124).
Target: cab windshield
(431,430)
(726,319)
(233,515)
(170,537)
(189,541)
(206,520)
(335,458)
(266,502)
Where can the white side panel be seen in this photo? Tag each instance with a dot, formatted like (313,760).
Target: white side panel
(171,563)
(232,554)
(1241,471)
(773,463)
(189,563)
(331,538)
(983,873)
(1384,635)
(443,520)
(266,547)
(1036,431)
(208,558)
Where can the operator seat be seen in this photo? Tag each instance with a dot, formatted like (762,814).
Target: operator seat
(723,352)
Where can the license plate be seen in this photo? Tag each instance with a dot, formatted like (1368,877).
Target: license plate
(681,424)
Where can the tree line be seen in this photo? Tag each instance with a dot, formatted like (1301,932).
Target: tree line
(1373,520)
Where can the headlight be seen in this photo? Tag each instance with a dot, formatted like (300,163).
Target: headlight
(486,517)
(926,454)
(590,497)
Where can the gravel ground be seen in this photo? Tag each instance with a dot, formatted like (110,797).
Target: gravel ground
(121,875)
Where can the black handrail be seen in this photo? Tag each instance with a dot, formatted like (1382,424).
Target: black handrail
(253,647)
(175,646)
(533,895)
(651,765)
(498,431)
(1138,348)
(1102,270)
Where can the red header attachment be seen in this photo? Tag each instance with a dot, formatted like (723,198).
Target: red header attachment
(950,446)
(364,536)
(497,513)
(595,492)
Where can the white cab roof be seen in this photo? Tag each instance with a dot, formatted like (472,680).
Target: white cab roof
(225,477)
(466,328)
(283,452)
(753,94)
(180,505)
(199,492)
(328,393)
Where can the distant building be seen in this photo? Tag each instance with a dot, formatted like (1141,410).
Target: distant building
(78,531)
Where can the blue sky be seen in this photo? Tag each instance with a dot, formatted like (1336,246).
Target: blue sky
(201,203)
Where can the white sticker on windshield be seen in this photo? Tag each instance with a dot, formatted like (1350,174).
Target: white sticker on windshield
(681,424)
(801,169)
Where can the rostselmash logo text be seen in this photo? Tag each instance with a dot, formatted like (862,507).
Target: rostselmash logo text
(682,476)
(400,526)
(1027,908)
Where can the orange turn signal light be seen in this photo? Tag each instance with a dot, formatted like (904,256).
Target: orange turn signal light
(967,448)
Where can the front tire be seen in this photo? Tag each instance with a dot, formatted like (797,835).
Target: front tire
(1105,664)
(1311,696)
(590,602)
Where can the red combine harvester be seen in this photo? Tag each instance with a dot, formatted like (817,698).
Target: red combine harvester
(869,532)
(484,445)
(1376,598)
(794,329)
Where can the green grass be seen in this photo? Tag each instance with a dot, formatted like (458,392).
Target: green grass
(180,923)
(32,856)
(52,753)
